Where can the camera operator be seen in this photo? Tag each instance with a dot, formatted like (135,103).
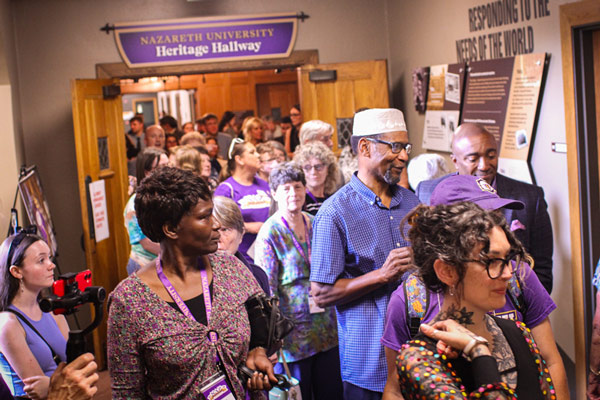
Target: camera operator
(73,381)
(32,342)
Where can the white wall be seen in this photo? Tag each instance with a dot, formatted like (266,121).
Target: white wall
(423,33)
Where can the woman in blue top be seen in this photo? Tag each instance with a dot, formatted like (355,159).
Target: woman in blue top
(25,269)
(283,251)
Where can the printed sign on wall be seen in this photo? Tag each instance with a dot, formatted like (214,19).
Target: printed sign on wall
(198,40)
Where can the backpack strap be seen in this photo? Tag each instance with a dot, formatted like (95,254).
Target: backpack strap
(230,188)
(515,292)
(55,356)
(416,298)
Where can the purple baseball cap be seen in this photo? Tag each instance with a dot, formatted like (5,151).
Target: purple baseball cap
(457,188)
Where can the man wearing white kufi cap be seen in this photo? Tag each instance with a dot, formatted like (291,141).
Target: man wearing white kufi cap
(358,252)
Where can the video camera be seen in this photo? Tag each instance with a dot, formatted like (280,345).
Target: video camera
(70,291)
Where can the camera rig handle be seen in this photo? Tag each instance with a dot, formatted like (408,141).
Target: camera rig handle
(92,294)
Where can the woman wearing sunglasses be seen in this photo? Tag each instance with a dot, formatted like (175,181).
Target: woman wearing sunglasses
(321,171)
(32,342)
(468,255)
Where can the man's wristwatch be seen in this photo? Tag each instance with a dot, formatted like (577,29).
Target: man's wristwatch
(474,342)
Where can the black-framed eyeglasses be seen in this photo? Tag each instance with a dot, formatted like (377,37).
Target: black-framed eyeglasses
(495,266)
(397,147)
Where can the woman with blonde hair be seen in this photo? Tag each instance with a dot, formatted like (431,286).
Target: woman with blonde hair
(253,130)
(188,158)
(322,173)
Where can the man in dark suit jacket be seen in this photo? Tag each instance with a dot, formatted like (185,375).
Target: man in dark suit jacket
(475,152)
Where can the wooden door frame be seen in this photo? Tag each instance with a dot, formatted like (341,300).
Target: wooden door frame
(121,70)
(574,17)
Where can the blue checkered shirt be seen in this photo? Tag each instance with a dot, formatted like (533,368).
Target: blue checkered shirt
(353,234)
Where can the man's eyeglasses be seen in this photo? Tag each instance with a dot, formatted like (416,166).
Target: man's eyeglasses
(495,266)
(397,147)
(317,167)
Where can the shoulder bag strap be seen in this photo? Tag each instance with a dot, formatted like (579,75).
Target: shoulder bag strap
(55,356)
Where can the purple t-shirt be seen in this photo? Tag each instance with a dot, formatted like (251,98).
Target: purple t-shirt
(254,202)
(538,303)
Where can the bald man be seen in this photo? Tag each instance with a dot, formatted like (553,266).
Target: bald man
(475,152)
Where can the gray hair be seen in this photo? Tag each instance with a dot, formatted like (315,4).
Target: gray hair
(311,130)
(285,173)
(227,212)
(321,152)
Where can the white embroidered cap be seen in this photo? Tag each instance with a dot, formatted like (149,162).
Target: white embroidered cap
(378,120)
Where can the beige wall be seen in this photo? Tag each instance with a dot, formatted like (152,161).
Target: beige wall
(10,151)
(424,34)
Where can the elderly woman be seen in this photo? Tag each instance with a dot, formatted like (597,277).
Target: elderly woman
(317,130)
(179,326)
(228,215)
(32,342)
(283,250)
(322,173)
(251,193)
(143,250)
(468,255)
(266,154)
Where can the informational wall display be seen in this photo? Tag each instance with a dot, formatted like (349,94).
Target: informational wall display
(503,96)
(420,85)
(98,197)
(198,40)
(443,105)
(500,29)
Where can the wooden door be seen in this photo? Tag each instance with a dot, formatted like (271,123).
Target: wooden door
(100,148)
(358,85)
(276,95)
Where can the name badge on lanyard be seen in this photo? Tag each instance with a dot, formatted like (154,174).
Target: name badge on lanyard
(215,387)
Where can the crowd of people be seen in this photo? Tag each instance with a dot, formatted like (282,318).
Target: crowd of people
(442,291)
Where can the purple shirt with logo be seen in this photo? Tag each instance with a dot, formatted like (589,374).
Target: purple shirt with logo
(538,303)
(254,202)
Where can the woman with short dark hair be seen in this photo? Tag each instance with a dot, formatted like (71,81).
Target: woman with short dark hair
(179,324)
(468,255)
(283,249)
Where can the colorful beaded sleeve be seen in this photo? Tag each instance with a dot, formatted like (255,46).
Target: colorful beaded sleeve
(426,374)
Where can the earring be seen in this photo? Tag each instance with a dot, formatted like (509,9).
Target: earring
(451,291)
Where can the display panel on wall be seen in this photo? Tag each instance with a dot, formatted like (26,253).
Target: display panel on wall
(503,95)
(443,105)
(212,39)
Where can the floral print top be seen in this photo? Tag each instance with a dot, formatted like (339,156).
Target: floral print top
(425,373)
(288,274)
(156,352)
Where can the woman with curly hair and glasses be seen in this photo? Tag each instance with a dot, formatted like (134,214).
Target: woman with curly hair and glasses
(322,173)
(178,328)
(468,255)
(26,268)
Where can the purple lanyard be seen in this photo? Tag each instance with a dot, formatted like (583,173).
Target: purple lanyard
(296,243)
(312,196)
(212,336)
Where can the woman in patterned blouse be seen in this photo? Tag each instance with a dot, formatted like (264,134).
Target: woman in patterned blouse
(179,324)
(468,255)
(283,251)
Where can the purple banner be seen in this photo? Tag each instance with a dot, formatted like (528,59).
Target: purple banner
(198,40)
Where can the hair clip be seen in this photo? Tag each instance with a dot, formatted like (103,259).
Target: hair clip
(232,145)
